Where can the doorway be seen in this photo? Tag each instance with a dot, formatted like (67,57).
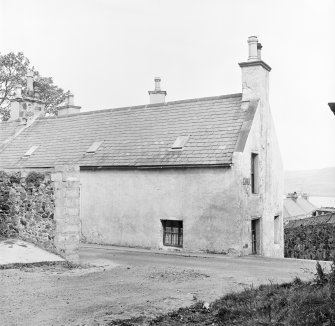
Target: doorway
(255,236)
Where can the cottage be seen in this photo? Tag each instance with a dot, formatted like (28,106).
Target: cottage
(200,174)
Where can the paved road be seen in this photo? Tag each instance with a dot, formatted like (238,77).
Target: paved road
(247,270)
(130,283)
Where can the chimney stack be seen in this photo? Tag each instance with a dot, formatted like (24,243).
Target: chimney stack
(30,82)
(157,96)
(15,105)
(26,106)
(68,107)
(255,73)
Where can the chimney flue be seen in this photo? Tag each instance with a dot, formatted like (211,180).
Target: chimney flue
(157,96)
(253,55)
(30,82)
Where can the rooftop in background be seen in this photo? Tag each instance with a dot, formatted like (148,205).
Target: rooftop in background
(139,136)
(322,219)
(297,206)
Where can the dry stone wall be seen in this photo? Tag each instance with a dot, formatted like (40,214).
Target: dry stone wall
(311,238)
(42,207)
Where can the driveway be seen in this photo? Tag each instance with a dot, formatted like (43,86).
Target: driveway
(131,283)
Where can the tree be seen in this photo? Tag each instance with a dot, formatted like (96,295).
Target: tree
(13,71)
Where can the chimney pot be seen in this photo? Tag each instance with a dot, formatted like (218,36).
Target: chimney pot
(18,91)
(157,83)
(252,41)
(30,82)
(69,98)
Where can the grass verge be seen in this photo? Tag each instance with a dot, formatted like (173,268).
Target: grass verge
(296,303)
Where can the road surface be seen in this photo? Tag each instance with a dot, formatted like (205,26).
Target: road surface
(131,283)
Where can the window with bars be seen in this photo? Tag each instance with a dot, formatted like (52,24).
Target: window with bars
(172,233)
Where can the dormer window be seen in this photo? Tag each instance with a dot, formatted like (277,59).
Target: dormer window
(180,142)
(94,147)
(30,151)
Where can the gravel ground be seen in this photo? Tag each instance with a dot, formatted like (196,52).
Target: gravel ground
(126,285)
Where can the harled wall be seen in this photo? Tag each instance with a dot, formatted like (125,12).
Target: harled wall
(125,207)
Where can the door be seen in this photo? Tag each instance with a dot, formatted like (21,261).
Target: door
(255,241)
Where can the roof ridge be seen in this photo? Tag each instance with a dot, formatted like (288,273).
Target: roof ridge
(199,99)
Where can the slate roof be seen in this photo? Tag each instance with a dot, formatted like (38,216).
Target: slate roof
(139,136)
(317,220)
(297,207)
(7,130)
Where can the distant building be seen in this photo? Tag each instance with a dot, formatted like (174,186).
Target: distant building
(297,206)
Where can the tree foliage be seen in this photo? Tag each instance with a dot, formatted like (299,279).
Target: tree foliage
(13,71)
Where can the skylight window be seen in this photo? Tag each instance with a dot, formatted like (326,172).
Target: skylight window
(94,147)
(30,151)
(180,142)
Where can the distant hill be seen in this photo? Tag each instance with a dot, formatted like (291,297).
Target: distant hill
(315,182)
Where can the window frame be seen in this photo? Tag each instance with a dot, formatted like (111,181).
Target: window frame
(254,173)
(172,230)
(276,229)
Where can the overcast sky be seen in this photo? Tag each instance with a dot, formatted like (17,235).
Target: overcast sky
(107,53)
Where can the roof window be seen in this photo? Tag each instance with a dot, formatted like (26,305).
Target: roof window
(180,142)
(94,147)
(31,150)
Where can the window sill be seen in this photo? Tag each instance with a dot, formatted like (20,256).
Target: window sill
(171,248)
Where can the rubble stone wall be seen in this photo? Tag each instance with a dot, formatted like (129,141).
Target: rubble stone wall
(27,207)
(311,238)
(42,207)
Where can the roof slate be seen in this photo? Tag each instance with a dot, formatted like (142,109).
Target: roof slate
(8,129)
(139,136)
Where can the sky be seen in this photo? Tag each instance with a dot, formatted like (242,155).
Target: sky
(107,52)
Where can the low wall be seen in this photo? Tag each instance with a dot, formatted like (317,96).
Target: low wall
(42,207)
(311,238)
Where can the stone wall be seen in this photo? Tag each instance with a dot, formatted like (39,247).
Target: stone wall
(27,207)
(42,207)
(311,238)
